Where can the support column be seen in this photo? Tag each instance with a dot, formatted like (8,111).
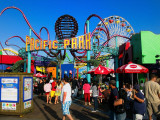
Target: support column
(57,72)
(77,73)
(88,57)
(107,65)
(25,66)
(116,66)
(29,55)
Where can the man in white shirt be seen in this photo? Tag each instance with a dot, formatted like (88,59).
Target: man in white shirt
(152,94)
(66,99)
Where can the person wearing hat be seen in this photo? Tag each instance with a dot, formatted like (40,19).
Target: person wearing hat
(139,106)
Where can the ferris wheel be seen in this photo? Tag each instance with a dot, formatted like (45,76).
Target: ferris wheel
(116,26)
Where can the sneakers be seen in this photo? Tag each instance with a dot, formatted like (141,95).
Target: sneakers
(85,103)
(94,111)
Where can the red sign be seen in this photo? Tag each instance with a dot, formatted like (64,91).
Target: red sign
(133,66)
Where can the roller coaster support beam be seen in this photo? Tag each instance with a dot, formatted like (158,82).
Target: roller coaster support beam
(25,65)
(116,66)
(88,56)
(29,55)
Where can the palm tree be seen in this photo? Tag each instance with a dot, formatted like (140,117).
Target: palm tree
(17,66)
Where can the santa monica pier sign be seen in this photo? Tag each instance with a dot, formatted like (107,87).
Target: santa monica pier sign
(78,43)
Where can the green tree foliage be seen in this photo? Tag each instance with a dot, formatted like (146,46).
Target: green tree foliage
(93,62)
(17,66)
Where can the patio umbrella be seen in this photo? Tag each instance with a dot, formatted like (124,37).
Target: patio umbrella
(38,75)
(132,68)
(101,70)
(44,76)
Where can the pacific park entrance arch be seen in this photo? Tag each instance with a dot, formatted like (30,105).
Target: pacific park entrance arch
(88,44)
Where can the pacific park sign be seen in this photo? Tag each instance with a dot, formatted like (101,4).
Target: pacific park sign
(82,42)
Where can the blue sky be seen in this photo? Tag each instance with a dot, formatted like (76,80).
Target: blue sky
(141,14)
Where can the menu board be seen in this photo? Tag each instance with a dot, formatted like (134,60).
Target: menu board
(8,106)
(9,89)
(27,88)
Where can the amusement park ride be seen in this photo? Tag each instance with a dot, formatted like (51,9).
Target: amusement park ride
(109,34)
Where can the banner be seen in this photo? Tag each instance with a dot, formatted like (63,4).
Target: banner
(27,104)
(9,89)
(8,106)
(41,69)
(27,88)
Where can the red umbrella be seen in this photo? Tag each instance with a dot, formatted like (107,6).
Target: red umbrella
(44,76)
(111,70)
(38,75)
(100,70)
(132,68)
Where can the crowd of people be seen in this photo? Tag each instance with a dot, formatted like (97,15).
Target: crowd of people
(130,100)
(138,101)
(60,90)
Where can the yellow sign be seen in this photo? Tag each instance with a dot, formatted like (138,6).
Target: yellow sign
(41,69)
(81,42)
(81,65)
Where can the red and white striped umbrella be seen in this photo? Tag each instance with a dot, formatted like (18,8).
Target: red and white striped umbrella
(132,68)
(38,75)
(101,70)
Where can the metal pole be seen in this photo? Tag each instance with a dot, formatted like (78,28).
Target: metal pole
(25,65)
(57,72)
(147,76)
(88,56)
(77,73)
(137,79)
(29,55)
(132,80)
(116,66)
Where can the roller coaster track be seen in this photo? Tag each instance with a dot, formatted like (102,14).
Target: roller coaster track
(10,51)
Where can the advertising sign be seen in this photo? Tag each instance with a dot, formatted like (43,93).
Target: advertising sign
(81,42)
(8,106)
(27,88)
(27,104)
(9,89)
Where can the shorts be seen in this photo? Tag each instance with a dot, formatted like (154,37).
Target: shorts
(57,93)
(138,117)
(65,107)
(52,93)
(153,108)
(47,93)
